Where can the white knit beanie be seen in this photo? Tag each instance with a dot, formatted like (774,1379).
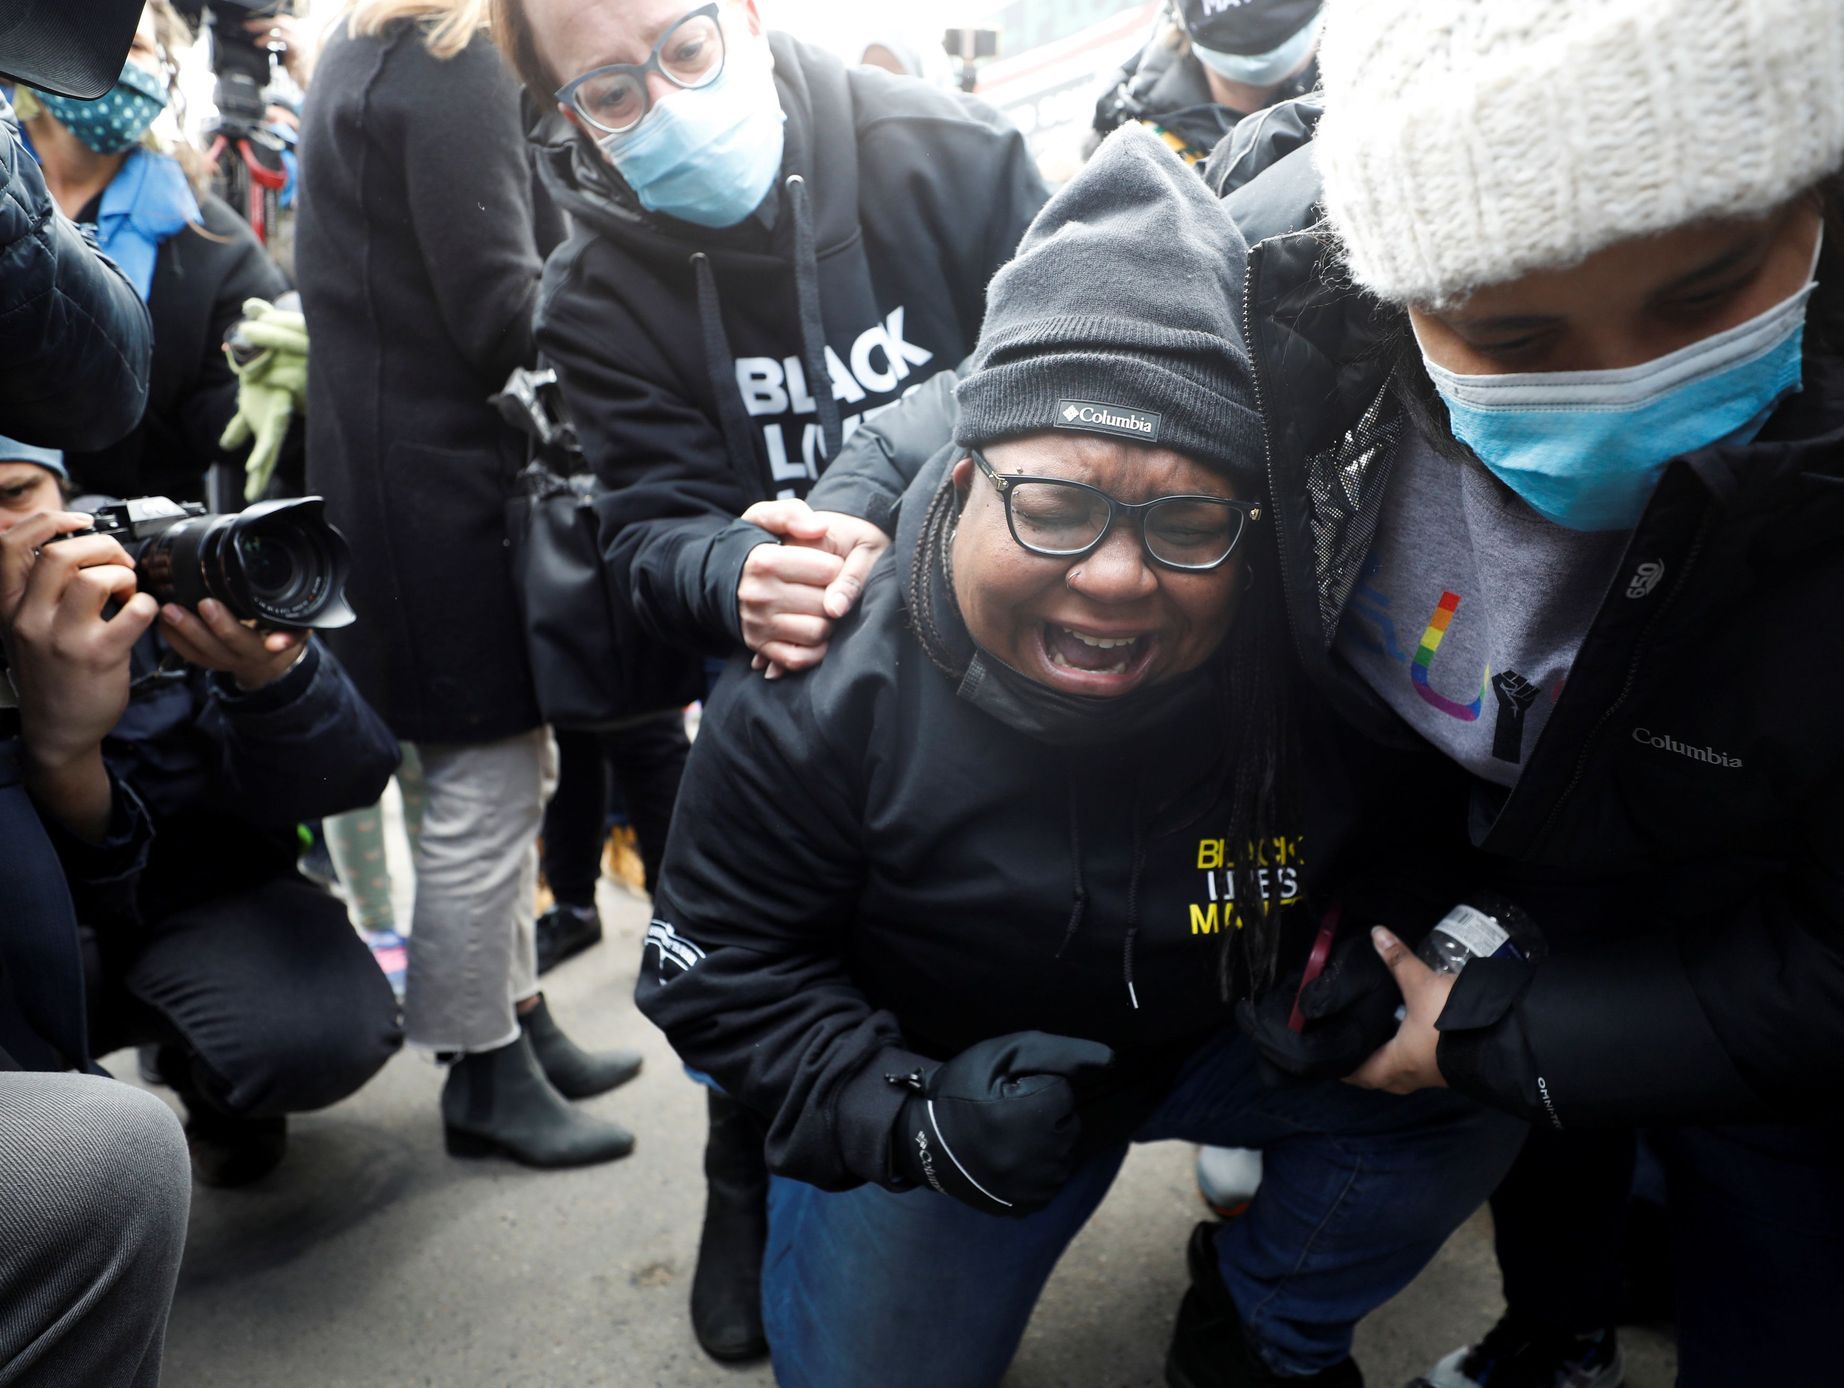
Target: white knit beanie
(1468,142)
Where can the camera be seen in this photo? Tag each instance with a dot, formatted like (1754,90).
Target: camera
(281,563)
(239,60)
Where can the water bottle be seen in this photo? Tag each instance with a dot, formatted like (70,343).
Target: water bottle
(1493,928)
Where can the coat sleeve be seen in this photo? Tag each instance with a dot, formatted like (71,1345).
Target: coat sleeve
(469,184)
(75,340)
(1734,1019)
(745,961)
(881,458)
(301,748)
(672,493)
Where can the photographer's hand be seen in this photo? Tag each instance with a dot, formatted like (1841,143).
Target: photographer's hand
(213,639)
(69,662)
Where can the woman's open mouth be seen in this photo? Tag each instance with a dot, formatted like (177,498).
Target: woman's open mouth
(1085,662)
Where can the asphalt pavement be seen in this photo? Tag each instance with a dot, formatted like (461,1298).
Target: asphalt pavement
(371,1259)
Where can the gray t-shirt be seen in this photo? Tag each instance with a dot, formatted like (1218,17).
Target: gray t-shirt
(1471,609)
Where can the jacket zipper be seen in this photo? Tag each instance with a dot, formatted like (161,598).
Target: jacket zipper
(1267,450)
(1632,675)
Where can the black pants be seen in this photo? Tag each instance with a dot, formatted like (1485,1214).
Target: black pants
(270,993)
(1757,1229)
(645,762)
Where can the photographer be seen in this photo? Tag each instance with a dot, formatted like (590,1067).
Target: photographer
(262,1000)
(83,1299)
(1208,66)
(192,259)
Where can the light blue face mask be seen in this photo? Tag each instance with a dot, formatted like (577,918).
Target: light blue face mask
(1262,69)
(706,156)
(1586,449)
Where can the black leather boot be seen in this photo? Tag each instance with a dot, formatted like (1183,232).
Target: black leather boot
(498,1103)
(574,1072)
(227,1149)
(726,1294)
(1210,1348)
(564,932)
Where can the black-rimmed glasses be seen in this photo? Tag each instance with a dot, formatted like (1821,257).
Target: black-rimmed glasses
(1060,519)
(689,55)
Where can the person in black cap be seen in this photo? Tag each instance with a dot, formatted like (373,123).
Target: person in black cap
(958,984)
(1209,64)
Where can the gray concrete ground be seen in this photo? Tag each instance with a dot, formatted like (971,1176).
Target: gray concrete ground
(373,1260)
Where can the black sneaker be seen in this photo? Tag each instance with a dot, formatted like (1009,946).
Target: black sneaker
(566,931)
(1515,1354)
(1210,1348)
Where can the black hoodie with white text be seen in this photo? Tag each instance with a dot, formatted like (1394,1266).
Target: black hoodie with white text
(687,354)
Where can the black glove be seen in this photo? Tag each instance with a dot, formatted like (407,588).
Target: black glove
(996,1126)
(1349,1011)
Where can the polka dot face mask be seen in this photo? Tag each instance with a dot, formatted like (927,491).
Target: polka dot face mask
(117,119)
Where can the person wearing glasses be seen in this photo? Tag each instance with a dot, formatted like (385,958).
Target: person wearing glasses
(769,248)
(959,913)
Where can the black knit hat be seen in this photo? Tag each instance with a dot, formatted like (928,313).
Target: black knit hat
(1245,26)
(1118,316)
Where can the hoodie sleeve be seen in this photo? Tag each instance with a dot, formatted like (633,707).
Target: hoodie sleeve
(1737,1019)
(75,339)
(745,961)
(668,518)
(265,769)
(881,458)
(468,177)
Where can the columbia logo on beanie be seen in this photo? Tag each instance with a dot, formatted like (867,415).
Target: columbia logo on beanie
(1108,419)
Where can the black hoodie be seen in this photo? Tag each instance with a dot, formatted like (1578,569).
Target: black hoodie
(686,354)
(866,867)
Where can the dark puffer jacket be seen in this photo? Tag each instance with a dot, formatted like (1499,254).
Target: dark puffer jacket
(75,341)
(1678,831)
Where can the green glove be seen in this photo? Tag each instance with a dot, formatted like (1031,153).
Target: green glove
(268,350)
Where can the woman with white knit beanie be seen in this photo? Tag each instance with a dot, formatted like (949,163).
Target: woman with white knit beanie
(1570,539)
(1547,325)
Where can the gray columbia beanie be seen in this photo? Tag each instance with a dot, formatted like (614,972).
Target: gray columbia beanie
(1118,317)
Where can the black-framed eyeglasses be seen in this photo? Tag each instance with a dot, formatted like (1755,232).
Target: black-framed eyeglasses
(689,55)
(1065,520)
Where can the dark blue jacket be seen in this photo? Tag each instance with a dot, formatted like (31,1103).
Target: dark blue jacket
(210,783)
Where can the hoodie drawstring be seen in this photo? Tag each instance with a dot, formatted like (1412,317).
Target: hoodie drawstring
(1079,889)
(1078,904)
(812,327)
(1133,905)
(721,364)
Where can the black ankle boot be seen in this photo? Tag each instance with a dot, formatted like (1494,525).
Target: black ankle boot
(574,1072)
(227,1149)
(564,932)
(726,1294)
(499,1103)
(1210,1348)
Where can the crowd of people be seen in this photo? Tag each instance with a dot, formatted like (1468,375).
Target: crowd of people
(1083,589)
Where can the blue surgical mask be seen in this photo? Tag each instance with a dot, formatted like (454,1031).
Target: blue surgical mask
(1262,69)
(710,155)
(1586,449)
(116,120)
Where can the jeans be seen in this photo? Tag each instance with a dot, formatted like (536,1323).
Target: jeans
(472,950)
(276,1003)
(646,761)
(1359,1190)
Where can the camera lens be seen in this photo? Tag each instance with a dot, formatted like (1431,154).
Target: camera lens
(279,562)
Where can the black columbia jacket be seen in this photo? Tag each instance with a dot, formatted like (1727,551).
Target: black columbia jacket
(688,356)
(1677,830)
(865,868)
